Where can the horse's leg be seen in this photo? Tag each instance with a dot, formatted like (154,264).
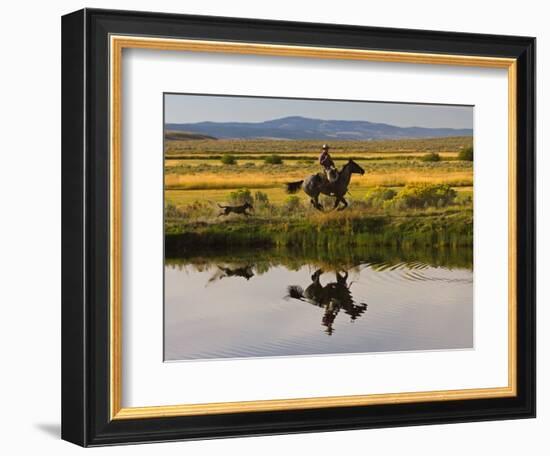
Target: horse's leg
(312,191)
(345,203)
(336,203)
(317,204)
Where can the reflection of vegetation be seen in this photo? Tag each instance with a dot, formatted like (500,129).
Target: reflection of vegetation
(335,257)
(335,297)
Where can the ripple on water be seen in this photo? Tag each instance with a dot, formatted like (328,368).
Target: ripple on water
(410,306)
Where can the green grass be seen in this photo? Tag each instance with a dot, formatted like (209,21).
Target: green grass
(273,160)
(449,227)
(276,195)
(466,154)
(228,159)
(431,157)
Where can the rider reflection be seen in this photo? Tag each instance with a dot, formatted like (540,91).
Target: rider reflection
(333,297)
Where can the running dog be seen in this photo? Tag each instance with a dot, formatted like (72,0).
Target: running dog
(236,209)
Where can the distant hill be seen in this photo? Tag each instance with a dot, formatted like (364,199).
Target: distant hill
(172,135)
(296,127)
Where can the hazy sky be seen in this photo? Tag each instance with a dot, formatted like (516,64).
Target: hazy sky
(200,108)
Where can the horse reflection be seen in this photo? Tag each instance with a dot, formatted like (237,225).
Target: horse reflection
(333,297)
(246,272)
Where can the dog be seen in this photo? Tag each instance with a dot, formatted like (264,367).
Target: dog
(236,209)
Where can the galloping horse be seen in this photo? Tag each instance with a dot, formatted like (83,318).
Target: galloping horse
(318,183)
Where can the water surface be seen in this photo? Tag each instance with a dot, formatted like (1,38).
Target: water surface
(235,307)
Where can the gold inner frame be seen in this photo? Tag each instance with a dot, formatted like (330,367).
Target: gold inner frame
(117,44)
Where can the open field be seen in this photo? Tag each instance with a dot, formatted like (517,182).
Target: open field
(299,147)
(200,171)
(306,157)
(196,181)
(276,195)
(189,179)
(240,177)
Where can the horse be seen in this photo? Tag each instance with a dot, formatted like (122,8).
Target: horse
(332,297)
(318,183)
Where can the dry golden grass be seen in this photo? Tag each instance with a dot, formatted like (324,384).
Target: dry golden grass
(195,159)
(398,179)
(266,146)
(205,180)
(202,178)
(234,180)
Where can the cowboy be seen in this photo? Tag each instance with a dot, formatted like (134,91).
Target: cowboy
(328,165)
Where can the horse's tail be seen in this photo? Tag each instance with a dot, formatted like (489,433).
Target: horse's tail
(293,187)
(296,292)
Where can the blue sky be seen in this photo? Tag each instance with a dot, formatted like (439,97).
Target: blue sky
(183,108)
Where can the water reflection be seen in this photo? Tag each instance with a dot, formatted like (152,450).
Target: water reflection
(281,302)
(332,297)
(246,272)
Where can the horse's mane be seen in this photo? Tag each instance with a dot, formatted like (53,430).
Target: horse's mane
(348,163)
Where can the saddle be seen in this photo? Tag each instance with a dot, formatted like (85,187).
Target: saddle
(330,176)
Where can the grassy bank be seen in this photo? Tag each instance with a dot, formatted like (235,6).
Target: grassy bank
(436,228)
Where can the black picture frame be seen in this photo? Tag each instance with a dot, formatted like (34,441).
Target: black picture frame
(85,228)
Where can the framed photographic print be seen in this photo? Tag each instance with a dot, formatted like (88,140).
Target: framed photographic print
(278,227)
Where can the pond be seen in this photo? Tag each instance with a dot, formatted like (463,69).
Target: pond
(286,303)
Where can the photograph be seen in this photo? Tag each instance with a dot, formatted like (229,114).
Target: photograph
(301,227)
(286,223)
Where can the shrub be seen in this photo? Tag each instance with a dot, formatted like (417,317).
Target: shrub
(261,198)
(171,211)
(196,209)
(273,160)
(376,196)
(292,203)
(431,157)
(466,154)
(465,200)
(228,159)
(425,195)
(241,196)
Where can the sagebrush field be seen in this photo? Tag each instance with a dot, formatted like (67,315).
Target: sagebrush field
(413,191)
